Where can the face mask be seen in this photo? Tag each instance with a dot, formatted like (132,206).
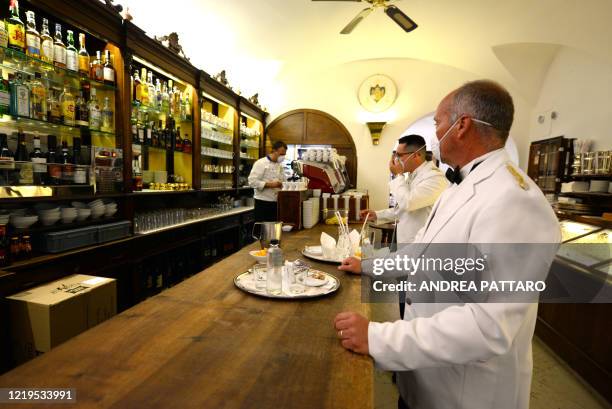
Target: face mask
(281,158)
(398,160)
(435,144)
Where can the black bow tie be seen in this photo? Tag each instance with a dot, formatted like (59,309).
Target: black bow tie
(454,175)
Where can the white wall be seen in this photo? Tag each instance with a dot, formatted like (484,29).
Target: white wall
(421,85)
(578,87)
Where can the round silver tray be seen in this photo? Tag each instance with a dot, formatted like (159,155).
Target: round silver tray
(311,292)
(320,258)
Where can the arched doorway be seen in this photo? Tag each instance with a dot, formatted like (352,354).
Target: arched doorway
(313,127)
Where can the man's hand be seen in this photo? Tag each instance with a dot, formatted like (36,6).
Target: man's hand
(366,212)
(351,265)
(352,329)
(274,184)
(396,167)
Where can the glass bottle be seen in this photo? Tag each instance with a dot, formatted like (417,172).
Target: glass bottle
(38,98)
(59,49)
(186,107)
(97,68)
(137,88)
(151,90)
(95,114)
(4,245)
(165,103)
(178,142)
(81,111)
(80,172)
(26,170)
(177,102)
(144,89)
(170,98)
(72,61)
(46,43)
(107,116)
(32,36)
(20,98)
(16,29)
(83,57)
(274,280)
(39,159)
(67,102)
(7,161)
(158,94)
(54,171)
(25,248)
(54,108)
(5,96)
(134,124)
(108,73)
(67,167)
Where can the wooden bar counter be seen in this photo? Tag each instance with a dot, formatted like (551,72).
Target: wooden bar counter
(206,344)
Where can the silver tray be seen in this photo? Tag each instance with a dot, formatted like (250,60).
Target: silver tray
(319,258)
(311,292)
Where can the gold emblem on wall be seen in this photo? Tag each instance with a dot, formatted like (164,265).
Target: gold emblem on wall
(377,93)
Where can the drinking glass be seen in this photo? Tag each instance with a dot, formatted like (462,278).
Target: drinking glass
(260,272)
(298,277)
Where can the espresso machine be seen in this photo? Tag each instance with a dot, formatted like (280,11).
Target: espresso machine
(324,168)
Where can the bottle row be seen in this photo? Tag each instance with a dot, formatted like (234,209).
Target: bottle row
(159,96)
(154,134)
(13,248)
(33,98)
(57,166)
(17,36)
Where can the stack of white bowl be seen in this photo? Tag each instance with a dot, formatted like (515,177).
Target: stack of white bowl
(310,212)
(4,218)
(110,208)
(98,208)
(83,211)
(69,214)
(19,220)
(48,214)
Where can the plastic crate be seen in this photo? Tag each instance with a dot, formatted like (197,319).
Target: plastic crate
(113,231)
(57,242)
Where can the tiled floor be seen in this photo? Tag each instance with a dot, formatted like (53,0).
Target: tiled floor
(554,385)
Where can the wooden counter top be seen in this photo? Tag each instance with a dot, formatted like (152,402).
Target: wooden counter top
(206,344)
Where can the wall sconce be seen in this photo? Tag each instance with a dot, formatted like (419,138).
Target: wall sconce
(376,129)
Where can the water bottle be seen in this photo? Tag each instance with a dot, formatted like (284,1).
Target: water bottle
(274,282)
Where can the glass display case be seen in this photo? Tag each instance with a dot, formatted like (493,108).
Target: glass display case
(571,229)
(251,131)
(161,126)
(589,250)
(217,144)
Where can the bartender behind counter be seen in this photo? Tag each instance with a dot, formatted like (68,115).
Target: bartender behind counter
(266,178)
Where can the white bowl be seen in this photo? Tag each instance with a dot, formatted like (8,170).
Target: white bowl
(80,205)
(110,212)
(260,259)
(287,227)
(83,214)
(67,219)
(45,207)
(49,220)
(23,222)
(68,211)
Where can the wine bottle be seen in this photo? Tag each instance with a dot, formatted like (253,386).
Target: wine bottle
(5,96)
(54,171)
(39,159)
(67,165)
(80,172)
(26,170)
(7,161)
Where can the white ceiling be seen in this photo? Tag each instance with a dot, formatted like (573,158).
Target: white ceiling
(258,40)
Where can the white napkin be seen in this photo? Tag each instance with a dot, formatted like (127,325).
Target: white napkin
(328,245)
(314,250)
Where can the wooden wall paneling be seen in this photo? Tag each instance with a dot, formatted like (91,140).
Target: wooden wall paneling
(289,128)
(196,142)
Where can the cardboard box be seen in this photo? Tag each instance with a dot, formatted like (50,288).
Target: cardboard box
(45,316)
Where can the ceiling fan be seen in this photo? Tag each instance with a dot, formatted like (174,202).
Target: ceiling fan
(393,12)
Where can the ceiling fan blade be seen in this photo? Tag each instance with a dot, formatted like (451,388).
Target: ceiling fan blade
(351,26)
(400,18)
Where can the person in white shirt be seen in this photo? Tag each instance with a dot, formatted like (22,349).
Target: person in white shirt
(467,355)
(266,178)
(417,185)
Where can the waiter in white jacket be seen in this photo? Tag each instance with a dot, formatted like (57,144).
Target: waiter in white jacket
(266,178)
(466,355)
(417,185)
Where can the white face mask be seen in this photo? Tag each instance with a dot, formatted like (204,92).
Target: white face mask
(281,158)
(435,144)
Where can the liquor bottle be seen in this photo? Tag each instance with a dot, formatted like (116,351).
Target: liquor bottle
(148,131)
(5,95)
(54,108)
(155,135)
(81,111)
(107,116)
(46,43)
(187,107)
(26,171)
(165,104)
(72,60)
(158,94)
(67,167)
(16,29)
(59,49)
(7,161)
(95,114)
(187,148)
(176,113)
(39,159)
(134,124)
(80,172)
(144,89)
(178,142)
(170,98)
(151,90)
(86,88)
(137,88)
(32,36)
(15,249)
(83,57)
(97,69)
(20,97)
(54,171)
(108,69)
(25,248)
(141,132)
(137,175)
(38,98)
(67,102)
